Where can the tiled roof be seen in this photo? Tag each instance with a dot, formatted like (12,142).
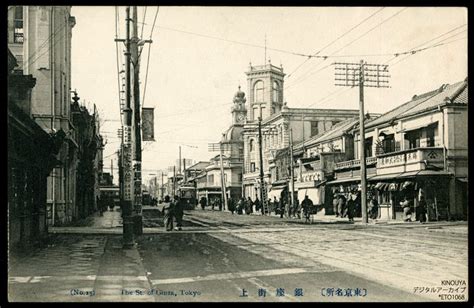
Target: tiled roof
(456,92)
(199,166)
(462,97)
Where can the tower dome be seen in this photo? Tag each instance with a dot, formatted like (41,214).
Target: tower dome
(239,97)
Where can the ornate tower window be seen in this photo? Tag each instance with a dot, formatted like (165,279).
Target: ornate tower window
(258,91)
(251,145)
(18,24)
(276,92)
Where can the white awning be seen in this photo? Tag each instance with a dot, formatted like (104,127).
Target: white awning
(313,193)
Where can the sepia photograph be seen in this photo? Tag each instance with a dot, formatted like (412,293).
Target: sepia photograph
(237,154)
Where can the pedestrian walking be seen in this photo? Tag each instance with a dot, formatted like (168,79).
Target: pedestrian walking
(406,209)
(168,213)
(297,208)
(276,207)
(241,206)
(351,207)
(232,205)
(422,210)
(203,202)
(282,206)
(178,212)
(374,207)
(219,204)
(307,204)
(257,204)
(341,206)
(335,203)
(248,206)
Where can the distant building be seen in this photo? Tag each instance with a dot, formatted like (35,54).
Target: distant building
(88,154)
(266,101)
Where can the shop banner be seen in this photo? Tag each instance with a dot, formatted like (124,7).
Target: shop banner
(148,124)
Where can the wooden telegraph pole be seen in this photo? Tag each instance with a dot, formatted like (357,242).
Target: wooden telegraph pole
(213,147)
(362,75)
(128,238)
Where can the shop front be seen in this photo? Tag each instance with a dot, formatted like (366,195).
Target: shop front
(393,189)
(409,175)
(312,184)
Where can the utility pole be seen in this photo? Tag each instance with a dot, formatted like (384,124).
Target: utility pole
(260,150)
(128,236)
(223,185)
(214,147)
(184,170)
(292,175)
(362,75)
(179,161)
(174,181)
(162,187)
(137,159)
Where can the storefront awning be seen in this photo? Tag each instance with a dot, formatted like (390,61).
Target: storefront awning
(408,174)
(279,184)
(347,180)
(275,193)
(321,183)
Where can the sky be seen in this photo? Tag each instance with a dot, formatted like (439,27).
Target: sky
(199,57)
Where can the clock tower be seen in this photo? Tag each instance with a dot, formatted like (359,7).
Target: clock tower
(239,112)
(265,90)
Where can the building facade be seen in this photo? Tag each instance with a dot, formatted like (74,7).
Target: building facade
(31,157)
(417,149)
(40,38)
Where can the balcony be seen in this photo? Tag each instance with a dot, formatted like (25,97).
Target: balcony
(411,160)
(352,164)
(266,67)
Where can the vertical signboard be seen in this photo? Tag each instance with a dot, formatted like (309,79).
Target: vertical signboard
(127,163)
(148,133)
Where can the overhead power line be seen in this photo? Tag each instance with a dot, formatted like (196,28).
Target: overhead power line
(148,57)
(334,41)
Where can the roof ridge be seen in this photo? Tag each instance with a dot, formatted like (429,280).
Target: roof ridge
(458,92)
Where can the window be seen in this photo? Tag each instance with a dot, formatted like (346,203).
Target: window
(430,135)
(210,179)
(258,91)
(252,167)
(368,147)
(18,25)
(276,92)
(255,112)
(251,145)
(388,143)
(314,128)
(413,139)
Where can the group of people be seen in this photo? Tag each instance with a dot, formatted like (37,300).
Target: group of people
(249,206)
(349,205)
(173,209)
(420,210)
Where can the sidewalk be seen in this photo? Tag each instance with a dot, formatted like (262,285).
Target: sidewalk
(78,268)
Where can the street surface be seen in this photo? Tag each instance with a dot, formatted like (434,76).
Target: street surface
(223,257)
